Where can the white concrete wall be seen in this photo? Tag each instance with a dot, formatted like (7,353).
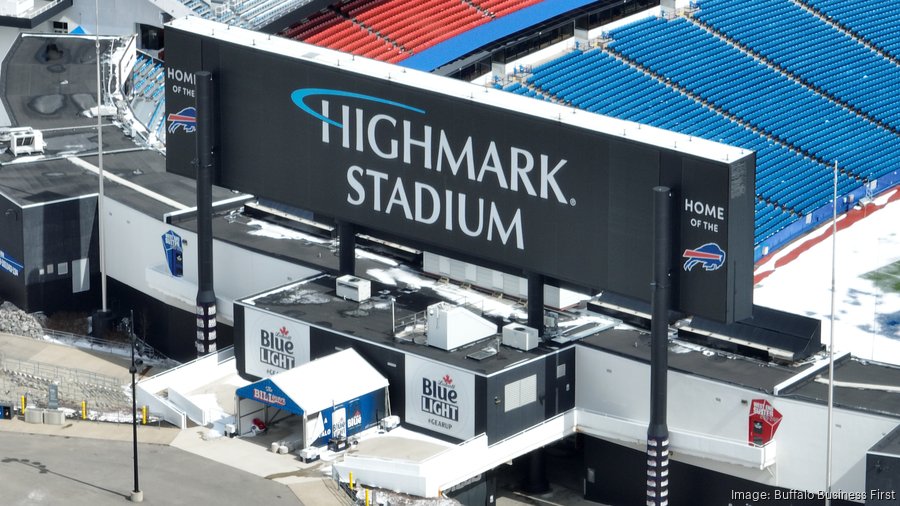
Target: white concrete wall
(161,407)
(719,413)
(184,378)
(494,280)
(428,477)
(196,413)
(238,272)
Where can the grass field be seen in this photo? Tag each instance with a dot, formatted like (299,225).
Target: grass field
(887,278)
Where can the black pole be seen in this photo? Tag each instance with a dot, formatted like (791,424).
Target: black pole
(206,296)
(658,431)
(537,482)
(136,494)
(536,302)
(347,248)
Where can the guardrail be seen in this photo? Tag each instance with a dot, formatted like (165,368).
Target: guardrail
(62,375)
(34,13)
(143,350)
(34,380)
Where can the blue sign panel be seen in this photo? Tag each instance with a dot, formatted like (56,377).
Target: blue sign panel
(351,417)
(10,265)
(174,253)
(267,392)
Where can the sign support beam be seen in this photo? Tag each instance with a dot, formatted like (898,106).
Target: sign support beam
(658,431)
(206,296)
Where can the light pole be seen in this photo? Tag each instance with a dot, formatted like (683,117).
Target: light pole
(136,494)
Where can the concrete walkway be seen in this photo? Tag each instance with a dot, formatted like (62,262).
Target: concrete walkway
(33,350)
(108,431)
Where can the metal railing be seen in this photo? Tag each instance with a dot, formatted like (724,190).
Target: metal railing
(34,379)
(143,350)
(34,12)
(63,375)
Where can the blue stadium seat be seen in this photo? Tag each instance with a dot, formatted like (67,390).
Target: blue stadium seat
(878,21)
(597,81)
(767,99)
(816,52)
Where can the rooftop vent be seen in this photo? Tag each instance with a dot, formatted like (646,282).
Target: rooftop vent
(520,336)
(353,288)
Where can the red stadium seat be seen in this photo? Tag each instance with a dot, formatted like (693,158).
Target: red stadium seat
(392,30)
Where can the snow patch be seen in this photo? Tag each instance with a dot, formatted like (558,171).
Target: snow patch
(867,319)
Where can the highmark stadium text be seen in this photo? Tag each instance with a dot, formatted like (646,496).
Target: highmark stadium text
(522,170)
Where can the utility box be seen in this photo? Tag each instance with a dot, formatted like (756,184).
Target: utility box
(389,423)
(26,142)
(520,337)
(34,415)
(310,454)
(54,417)
(353,288)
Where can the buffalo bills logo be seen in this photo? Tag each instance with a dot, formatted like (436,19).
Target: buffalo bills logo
(185,118)
(710,256)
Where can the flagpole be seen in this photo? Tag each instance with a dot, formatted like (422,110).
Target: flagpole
(829,452)
(100,166)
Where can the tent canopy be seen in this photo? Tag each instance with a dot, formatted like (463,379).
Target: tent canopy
(317,385)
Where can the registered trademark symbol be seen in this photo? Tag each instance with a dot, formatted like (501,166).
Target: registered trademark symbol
(572,202)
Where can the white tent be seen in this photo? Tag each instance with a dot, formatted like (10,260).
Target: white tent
(326,387)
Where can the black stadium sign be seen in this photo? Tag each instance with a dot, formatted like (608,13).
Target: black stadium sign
(467,170)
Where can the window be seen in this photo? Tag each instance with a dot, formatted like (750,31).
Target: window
(81,275)
(60,27)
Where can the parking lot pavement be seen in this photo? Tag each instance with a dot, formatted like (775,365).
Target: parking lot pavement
(155,434)
(42,469)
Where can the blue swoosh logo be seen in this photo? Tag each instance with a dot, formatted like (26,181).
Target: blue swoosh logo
(299,98)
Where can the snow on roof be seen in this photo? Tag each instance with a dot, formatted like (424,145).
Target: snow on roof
(319,384)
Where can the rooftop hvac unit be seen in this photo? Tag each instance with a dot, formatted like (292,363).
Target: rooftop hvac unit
(521,337)
(389,423)
(353,288)
(451,327)
(25,142)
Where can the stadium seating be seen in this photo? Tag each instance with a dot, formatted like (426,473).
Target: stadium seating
(200,7)
(252,14)
(788,185)
(806,46)
(732,81)
(147,93)
(393,30)
(878,21)
(503,7)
